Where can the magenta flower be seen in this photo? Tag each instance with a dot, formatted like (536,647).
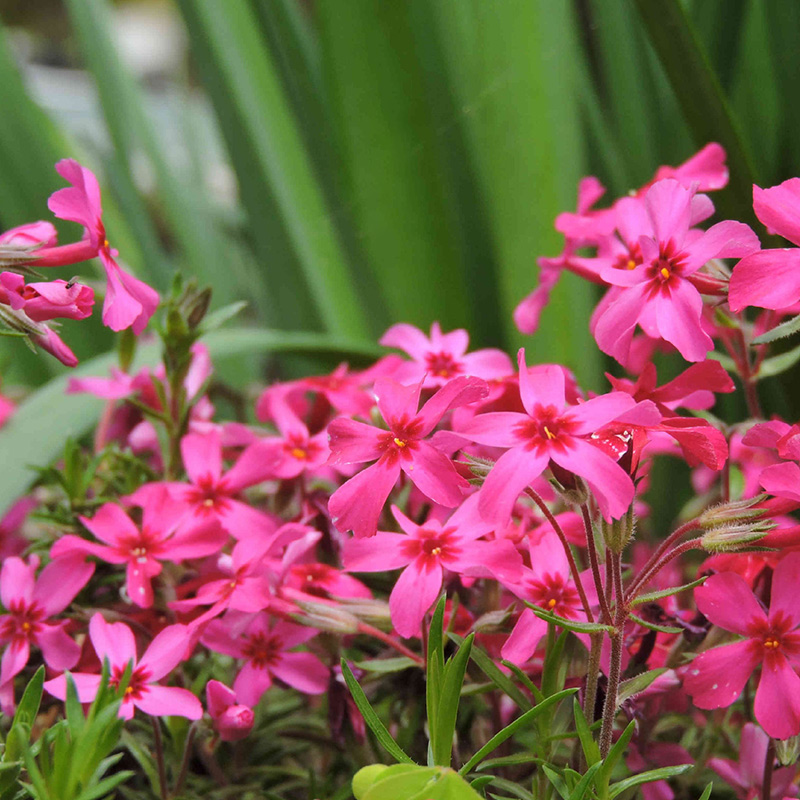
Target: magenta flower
(659,293)
(265,648)
(426,551)
(232,720)
(716,677)
(29,603)
(114,641)
(33,234)
(129,302)
(43,301)
(443,356)
(141,549)
(771,278)
(357,504)
(551,430)
(746,774)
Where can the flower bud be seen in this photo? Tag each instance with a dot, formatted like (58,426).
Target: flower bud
(373,612)
(232,720)
(738,511)
(618,532)
(479,467)
(325,617)
(735,536)
(787,751)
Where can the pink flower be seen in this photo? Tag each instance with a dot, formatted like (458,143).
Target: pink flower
(443,356)
(33,234)
(266,649)
(659,293)
(43,301)
(426,551)
(716,677)
(30,602)
(141,549)
(771,278)
(551,430)
(50,341)
(115,642)
(357,504)
(232,721)
(746,774)
(129,302)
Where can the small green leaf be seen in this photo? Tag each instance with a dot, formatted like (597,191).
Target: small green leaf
(386,665)
(447,709)
(616,752)
(779,332)
(371,718)
(585,783)
(653,596)
(589,745)
(569,624)
(647,777)
(653,627)
(707,792)
(637,684)
(216,319)
(775,365)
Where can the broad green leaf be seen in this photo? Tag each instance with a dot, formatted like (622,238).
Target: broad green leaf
(371,718)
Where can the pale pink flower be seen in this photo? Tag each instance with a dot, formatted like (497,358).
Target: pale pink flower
(114,641)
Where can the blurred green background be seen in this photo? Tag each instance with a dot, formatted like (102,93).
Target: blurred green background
(346,164)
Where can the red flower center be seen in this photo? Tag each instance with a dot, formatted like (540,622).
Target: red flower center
(262,649)
(442,365)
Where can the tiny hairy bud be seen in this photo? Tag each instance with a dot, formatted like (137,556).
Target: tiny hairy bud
(738,511)
(735,536)
(373,612)
(325,617)
(787,751)
(479,467)
(618,532)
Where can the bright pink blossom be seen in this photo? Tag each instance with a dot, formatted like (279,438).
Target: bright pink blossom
(426,551)
(29,603)
(442,356)
(268,652)
(357,504)
(49,300)
(659,292)
(33,234)
(114,641)
(551,430)
(129,302)
(716,677)
(141,549)
(232,720)
(771,278)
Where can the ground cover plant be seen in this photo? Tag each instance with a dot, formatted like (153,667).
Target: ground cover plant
(440,558)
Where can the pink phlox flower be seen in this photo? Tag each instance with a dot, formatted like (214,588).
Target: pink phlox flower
(114,641)
(141,549)
(295,451)
(12,541)
(32,234)
(129,302)
(43,301)
(313,580)
(546,583)
(268,651)
(210,496)
(29,603)
(426,551)
(7,408)
(232,720)
(746,774)
(442,356)
(660,294)
(357,504)
(551,430)
(771,278)
(717,676)
(706,170)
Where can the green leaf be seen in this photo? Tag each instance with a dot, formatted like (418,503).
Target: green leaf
(105,786)
(589,745)
(569,624)
(633,686)
(652,625)
(510,729)
(443,728)
(647,777)
(371,718)
(707,792)
(616,752)
(775,365)
(653,596)
(19,735)
(495,674)
(216,319)
(386,665)
(585,783)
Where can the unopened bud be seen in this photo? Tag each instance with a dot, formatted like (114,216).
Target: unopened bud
(569,486)
(479,467)
(618,532)
(232,720)
(199,307)
(729,538)
(373,612)
(325,617)
(739,511)
(787,751)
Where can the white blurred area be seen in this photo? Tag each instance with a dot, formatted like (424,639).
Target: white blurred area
(152,44)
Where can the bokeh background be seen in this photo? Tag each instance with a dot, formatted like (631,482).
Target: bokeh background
(342,165)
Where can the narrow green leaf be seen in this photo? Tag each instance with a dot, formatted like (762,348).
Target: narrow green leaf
(447,707)
(647,777)
(495,674)
(371,718)
(569,624)
(589,745)
(616,753)
(105,786)
(513,788)
(775,365)
(510,729)
(701,97)
(584,785)
(653,627)
(557,781)
(386,665)
(707,792)
(633,686)
(779,331)
(653,596)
